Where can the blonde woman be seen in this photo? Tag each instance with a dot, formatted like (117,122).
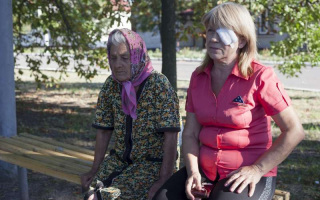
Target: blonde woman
(227,139)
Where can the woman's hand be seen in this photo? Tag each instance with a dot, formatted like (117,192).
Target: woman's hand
(155,187)
(86,180)
(244,176)
(193,181)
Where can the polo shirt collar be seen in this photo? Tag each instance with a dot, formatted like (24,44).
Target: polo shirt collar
(235,71)
(207,70)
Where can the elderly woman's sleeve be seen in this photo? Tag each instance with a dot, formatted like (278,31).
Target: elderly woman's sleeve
(168,107)
(272,95)
(104,115)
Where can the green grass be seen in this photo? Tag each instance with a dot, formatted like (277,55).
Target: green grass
(66,113)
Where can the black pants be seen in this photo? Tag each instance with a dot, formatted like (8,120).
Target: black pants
(174,189)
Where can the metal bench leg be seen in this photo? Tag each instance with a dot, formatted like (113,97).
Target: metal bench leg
(23,183)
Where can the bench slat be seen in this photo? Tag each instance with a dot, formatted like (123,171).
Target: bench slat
(56,143)
(276,197)
(44,151)
(38,167)
(54,148)
(284,194)
(51,160)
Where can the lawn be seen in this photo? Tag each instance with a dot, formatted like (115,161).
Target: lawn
(65,114)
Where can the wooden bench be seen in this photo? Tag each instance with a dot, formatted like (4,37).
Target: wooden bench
(46,156)
(57,159)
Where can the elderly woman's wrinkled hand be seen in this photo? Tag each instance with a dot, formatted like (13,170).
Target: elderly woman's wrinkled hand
(243,177)
(86,179)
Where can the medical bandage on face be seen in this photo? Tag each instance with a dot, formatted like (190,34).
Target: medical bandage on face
(227,36)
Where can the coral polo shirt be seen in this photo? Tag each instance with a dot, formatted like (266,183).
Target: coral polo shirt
(236,124)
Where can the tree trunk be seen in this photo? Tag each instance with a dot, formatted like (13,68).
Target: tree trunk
(167,31)
(8,126)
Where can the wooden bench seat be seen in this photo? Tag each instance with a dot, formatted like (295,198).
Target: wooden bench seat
(57,159)
(46,156)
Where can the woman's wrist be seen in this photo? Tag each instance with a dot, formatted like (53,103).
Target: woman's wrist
(258,168)
(93,170)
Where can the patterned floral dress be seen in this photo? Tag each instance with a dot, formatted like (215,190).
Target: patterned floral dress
(134,163)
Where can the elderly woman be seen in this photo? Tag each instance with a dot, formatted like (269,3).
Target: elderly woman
(227,139)
(139,106)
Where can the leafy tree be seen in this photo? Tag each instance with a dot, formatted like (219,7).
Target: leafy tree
(301,20)
(75,27)
(159,16)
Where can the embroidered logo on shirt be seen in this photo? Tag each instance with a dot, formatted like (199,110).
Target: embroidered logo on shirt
(239,101)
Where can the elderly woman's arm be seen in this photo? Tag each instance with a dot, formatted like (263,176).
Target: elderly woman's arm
(291,134)
(190,146)
(169,158)
(102,142)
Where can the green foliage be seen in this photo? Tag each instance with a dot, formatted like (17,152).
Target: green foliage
(301,21)
(75,27)
(146,15)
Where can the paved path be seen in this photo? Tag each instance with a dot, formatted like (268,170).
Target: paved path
(308,80)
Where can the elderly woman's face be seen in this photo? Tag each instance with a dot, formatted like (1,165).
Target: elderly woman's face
(120,62)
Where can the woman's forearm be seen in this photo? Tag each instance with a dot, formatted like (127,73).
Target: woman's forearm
(170,154)
(190,148)
(292,134)
(190,143)
(279,151)
(102,142)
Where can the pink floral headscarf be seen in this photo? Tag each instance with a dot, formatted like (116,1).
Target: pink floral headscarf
(141,68)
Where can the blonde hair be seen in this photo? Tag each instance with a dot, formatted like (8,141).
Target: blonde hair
(237,18)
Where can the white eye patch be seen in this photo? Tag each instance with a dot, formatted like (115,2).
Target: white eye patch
(227,36)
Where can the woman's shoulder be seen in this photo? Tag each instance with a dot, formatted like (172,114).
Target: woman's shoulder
(263,73)
(109,83)
(158,77)
(259,68)
(159,82)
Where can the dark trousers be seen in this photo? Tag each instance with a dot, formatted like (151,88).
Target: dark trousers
(174,189)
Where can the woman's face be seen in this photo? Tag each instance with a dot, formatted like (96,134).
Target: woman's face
(120,62)
(217,50)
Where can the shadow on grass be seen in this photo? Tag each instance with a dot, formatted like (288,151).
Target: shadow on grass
(304,98)
(311,126)
(300,171)
(77,85)
(58,118)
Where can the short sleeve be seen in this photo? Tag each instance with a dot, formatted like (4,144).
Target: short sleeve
(272,95)
(168,107)
(189,103)
(104,115)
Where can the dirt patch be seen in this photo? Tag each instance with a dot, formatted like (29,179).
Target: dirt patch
(41,187)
